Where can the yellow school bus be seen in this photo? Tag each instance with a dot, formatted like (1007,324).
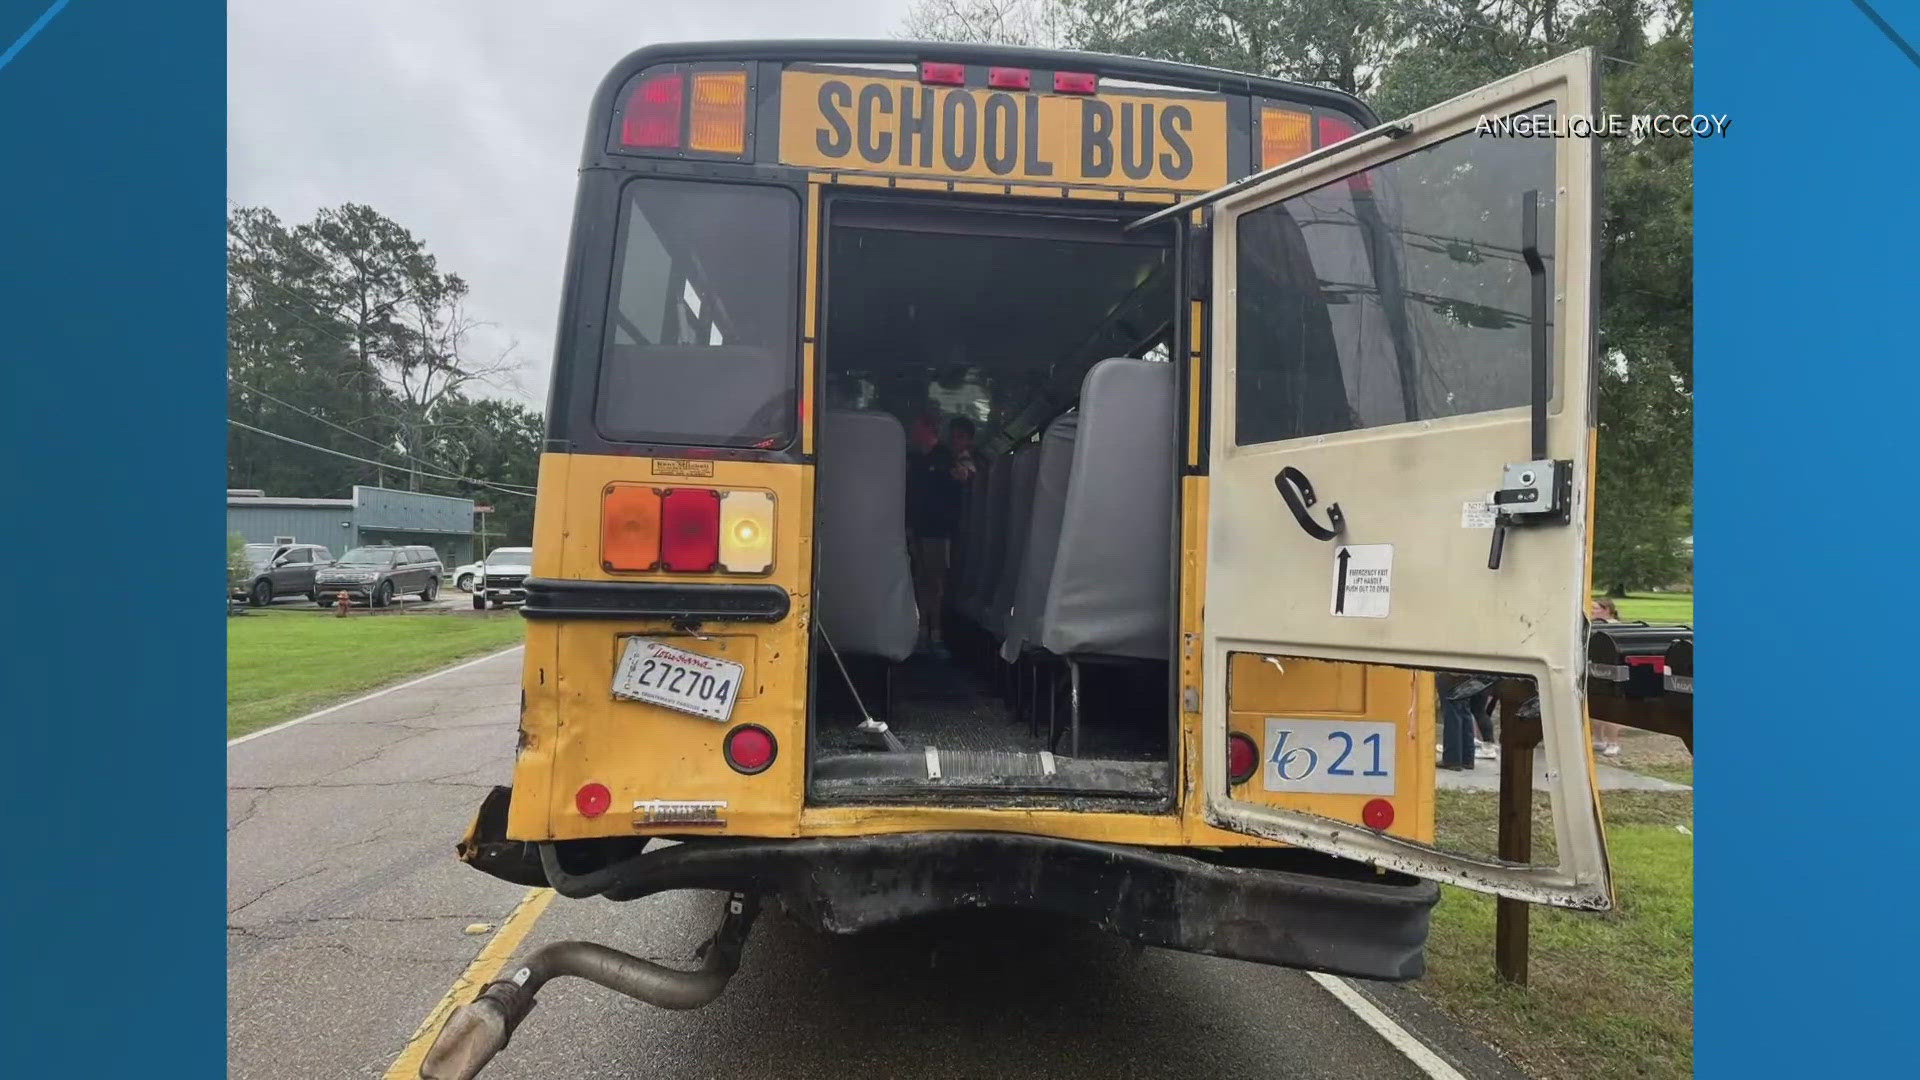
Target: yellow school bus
(1275,411)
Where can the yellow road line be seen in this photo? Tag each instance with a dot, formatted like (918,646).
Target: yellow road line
(479,973)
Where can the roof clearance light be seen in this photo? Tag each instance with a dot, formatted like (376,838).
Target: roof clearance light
(630,528)
(1075,82)
(1335,129)
(1284,135)
(746,532)
(943,74)
(690,530)
(719,124)
(653,113)
(1010,78)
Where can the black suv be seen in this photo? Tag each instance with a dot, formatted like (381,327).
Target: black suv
(377,574)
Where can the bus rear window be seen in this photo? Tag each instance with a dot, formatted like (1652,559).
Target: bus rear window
(700,346)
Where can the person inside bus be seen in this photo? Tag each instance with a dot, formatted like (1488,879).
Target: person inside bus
(939,479)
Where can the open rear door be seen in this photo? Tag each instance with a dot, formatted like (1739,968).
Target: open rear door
(1401,455)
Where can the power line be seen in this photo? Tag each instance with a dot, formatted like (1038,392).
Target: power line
(377,464)
(350,431)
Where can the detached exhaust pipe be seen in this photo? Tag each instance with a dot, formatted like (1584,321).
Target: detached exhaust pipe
(480,1029)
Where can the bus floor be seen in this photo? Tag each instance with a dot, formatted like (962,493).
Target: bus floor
(954,704)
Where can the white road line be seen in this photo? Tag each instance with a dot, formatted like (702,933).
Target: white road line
(1403,1040)
(282,726)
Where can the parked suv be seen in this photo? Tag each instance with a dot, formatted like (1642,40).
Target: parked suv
(282,570)
(377,574)
(503,577)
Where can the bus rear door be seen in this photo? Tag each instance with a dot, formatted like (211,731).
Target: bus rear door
(1400,463)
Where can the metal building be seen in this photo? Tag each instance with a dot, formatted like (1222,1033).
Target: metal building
(372,516)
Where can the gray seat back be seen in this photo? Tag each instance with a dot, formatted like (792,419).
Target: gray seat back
(863,590)
(1042,534)
(1109,592)
(1022,470)
(977,554)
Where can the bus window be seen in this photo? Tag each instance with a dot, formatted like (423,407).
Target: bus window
(1394,296)
(700,345)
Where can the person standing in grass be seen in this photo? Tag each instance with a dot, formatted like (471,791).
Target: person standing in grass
(1606,737)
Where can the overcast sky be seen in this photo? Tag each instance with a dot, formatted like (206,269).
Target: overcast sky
(462,120)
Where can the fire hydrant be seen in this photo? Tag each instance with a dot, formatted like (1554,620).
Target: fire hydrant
(342,603)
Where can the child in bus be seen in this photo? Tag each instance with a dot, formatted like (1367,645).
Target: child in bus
(938,482)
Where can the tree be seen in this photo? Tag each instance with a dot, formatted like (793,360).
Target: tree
(1405,55)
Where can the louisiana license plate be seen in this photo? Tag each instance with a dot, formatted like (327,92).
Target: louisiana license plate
(659,674)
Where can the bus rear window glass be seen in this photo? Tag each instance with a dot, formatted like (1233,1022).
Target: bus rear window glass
(700,346)
(1398,297)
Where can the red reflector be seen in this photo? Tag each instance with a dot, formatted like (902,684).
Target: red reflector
(653,113)
(593,799)
(943,74)
(690,530)
(1243,757)
(1075,82)
(1333,129)
(750,748)
(1010,78)
(1377,815)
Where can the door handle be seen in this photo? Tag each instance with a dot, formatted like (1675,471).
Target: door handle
(1297,491)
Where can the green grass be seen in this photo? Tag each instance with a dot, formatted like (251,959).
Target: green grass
(1657,607)
(1610,995)
(281,664)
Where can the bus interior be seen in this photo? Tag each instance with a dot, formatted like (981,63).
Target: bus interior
(1039,664)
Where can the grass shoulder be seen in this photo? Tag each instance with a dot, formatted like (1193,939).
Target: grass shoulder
(284,663)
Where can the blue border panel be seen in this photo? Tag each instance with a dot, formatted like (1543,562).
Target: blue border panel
(1806,234)
(112,114)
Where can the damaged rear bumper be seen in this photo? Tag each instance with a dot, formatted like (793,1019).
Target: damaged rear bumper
(1279,906)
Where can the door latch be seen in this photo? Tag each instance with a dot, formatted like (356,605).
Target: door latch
(1531,493)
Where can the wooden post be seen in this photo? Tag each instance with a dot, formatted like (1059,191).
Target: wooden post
(1518,738)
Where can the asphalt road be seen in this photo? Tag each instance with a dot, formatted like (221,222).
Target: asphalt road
(349,920)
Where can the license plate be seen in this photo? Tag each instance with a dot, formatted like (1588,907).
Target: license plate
(659,674)
(1334,757)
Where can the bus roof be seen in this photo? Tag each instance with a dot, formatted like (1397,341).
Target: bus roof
(825,51)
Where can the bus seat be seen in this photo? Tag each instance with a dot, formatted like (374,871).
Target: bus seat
(1109,589)
(1042,534)
(863,591)
(977,554)
(1022,470)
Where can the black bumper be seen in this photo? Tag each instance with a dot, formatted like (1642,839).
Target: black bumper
(1279,906)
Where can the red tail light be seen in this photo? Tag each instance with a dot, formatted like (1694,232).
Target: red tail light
(1243,757)
(1010,78)
(1334,129)
(943,74)
(690,530)
(750,749)
(1075,82)
(1377,815)
(653,113)
(592,800)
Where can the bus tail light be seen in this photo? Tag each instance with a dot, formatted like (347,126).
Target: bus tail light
(630,528)
(1010,78)
(1075,82)
(1284,135)
(746,532)
(690,530)
(718,123)
(1243,757)
(1335,129)
(592,800)
(939,74)
(1377,815)
(653,113)
(750,749)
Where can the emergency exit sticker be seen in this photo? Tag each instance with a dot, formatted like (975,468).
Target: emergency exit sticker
(1362,580)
